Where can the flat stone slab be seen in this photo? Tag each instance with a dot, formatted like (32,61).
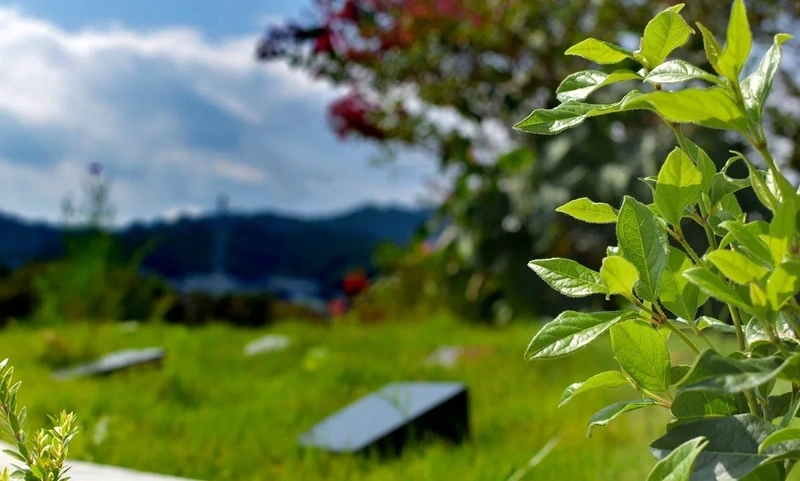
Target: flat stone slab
(82,471)
(268,343)
(388,418)
(116,361)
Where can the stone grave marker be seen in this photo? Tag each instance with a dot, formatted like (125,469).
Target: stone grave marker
(268,343)
(390,417)
(116,361)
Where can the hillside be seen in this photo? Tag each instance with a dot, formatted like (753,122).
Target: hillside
(258,244)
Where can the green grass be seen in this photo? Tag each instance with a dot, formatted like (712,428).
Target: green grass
(211,413)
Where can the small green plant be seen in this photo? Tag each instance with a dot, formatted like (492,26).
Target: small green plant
(728,420)
(43,455)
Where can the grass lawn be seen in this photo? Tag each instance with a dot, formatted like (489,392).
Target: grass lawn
(213,414)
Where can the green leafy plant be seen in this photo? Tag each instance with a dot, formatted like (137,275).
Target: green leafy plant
(728,420)
(42,455)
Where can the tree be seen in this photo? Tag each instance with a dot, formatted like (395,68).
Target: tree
(452,76)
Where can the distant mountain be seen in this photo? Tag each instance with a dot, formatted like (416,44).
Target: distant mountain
(258,245)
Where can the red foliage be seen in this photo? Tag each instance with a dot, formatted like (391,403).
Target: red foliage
(337,307)
(355,283)
(351,114)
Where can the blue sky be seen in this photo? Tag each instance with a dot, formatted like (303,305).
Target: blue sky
(167,95)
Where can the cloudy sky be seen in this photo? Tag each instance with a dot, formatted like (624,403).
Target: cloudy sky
(168,97)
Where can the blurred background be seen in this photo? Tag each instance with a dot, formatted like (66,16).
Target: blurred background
(197,174)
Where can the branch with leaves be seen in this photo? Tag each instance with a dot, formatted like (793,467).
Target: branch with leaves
(726,421)
(43,455)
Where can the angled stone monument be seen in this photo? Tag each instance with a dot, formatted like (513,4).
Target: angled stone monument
(387,419)
(116,361)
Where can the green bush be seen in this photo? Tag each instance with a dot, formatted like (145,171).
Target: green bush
(729,418)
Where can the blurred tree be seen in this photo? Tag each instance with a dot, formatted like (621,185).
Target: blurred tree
(452,76)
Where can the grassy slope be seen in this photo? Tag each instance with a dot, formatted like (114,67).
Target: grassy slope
(213,414)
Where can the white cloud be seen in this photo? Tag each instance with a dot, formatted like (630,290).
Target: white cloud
(175,118)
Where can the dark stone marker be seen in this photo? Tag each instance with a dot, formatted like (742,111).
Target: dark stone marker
(387,419)
(116,361)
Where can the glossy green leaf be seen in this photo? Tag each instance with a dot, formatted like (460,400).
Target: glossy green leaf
(722,186)
(679,464)
(736,267)
(675,71)
(571,331)
(732,446)
(756,87)
(678,372)
(738,42)
(606,380)
(567,115)
(714,286)
(663,34)
(599,52)
(780,436)
(706,322)
(580,85)
(782,230)
(704,164)
(783,284)
(642,353)
(698,404)
(587,211)
(676,293)
(713,107)
(748,239)
(713,372)
(678,186)
(643,242)
(619,275)
(568,277)
(609,413)
(711,46)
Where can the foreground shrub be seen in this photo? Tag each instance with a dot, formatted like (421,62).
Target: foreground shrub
(727,422)
(43,455)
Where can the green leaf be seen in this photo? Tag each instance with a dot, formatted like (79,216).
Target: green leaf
(642,353)
(748,239)
(782,230)
(698,404)
(663,34)
(607,380)
(568,277)
(783,284)
(599,52)
(738,42)
(643,241)
(619,275)
(678,372)
(580,85)
(711,46)
(713,372)
(587,211)
(704,163)
(609,413)
(706,322)
(732,450)
(675,71)
(567,115)
(736,266)
(712,285)
(678,186)
(722,186)
(676,293)
(679,464)
(756,87)
(571,331)
(713,107)
(780,436)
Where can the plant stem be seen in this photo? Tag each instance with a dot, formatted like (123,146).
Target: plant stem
(682,337)
(737,325)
